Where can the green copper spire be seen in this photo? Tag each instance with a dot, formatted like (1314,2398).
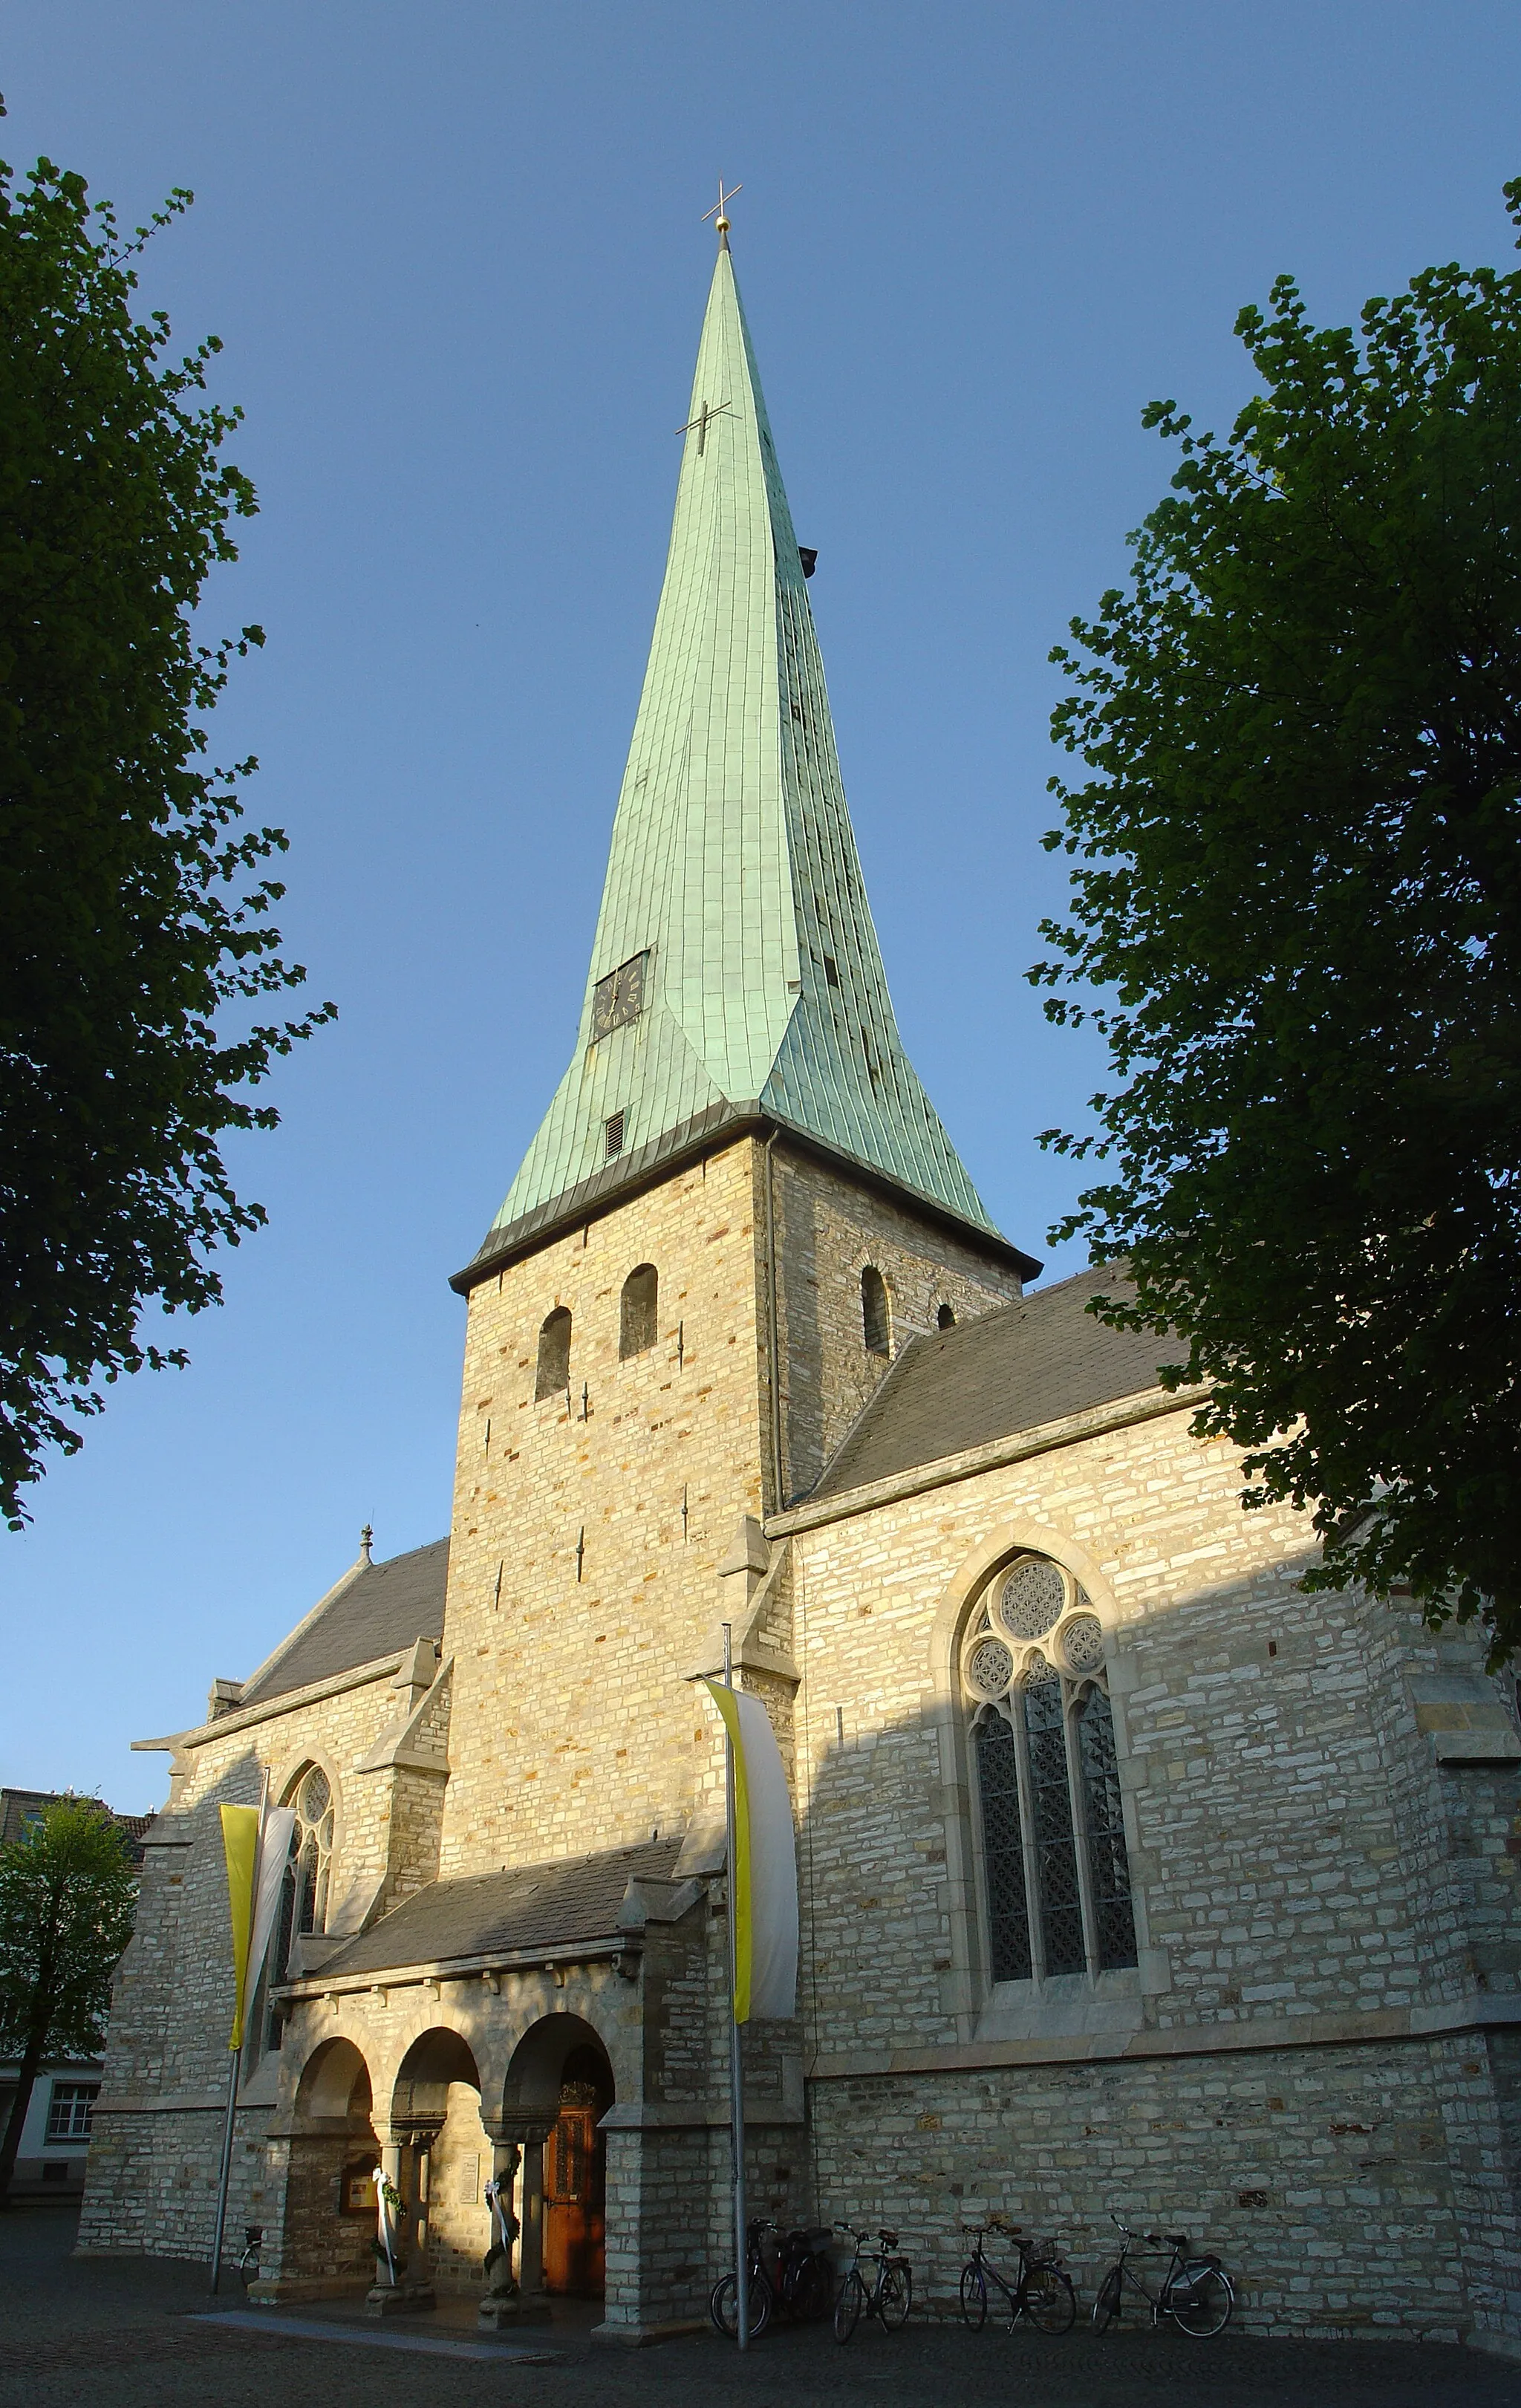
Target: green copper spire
(735,974)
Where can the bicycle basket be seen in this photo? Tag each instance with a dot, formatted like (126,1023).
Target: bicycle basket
(1044,2252)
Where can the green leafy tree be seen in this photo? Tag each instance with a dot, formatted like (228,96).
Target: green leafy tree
(67,1894)
(1298,893)
(132,916)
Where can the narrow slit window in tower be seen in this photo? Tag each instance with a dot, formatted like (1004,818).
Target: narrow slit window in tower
(875,1329)
(553,1374)
(640,1315)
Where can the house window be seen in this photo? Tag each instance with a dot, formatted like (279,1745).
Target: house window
(553,1377)
(1056,1876)
(640,1313)
(875,1328)
(71,2110)
(619,997)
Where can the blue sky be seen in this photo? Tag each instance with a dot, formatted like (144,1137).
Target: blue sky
(456,256)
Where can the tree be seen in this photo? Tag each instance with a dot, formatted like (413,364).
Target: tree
(68,1893)
(127,923)
(1299,886)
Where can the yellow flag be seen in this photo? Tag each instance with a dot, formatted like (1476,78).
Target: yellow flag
(240,1839)
(763,1878)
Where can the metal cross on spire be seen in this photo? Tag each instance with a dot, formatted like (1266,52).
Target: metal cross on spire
(721,213)
(702,421)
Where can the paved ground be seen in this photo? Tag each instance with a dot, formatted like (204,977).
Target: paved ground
(125,2333)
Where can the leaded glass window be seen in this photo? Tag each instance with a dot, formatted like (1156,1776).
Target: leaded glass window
(303,1895)
(1004,1849)
(1056,1876)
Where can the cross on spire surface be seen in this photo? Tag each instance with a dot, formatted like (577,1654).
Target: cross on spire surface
(721,213)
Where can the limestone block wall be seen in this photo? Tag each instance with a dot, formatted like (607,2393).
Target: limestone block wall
(828,1229)
(1284,1807)
(165,2064)
(573,1728)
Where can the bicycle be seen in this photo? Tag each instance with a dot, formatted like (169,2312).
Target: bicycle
(1197,2292)
(787,2271)
(889,2298)
(1044,2291)
(248,2265)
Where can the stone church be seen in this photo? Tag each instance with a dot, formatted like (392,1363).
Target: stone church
(1130,1878)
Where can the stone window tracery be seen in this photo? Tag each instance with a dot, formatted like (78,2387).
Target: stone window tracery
(1056,1874)
(304,1891)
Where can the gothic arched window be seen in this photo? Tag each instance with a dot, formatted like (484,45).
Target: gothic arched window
(553,1377)
(875,1328)
(639,1316)
(304,1891)
(945,1318)
(1056,1876)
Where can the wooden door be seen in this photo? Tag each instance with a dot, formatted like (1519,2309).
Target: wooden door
(575,2192)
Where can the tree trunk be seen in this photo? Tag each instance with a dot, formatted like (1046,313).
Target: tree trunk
(31,2065)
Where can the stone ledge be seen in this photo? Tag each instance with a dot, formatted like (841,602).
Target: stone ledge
(1275,2032)
(649,2336)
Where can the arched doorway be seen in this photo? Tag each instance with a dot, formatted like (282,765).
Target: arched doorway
(561,2076)
(441,2156)
(329,2213)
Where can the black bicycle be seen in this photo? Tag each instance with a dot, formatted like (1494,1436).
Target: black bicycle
(888,2297)
(1042,2290)
(787,2270)
(1197,2292)
(248,2265)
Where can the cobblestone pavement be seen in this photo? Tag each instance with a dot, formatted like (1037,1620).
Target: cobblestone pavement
(124,2334)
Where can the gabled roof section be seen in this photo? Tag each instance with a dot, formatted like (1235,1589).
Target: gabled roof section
(573,1902)
(374,1609)
(1011,1371)
(734,898)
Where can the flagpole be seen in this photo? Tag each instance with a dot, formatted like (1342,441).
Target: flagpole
(233,2068)
(736,2069)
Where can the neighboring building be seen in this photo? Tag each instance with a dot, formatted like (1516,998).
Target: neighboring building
(1132,1877)
(56,2137)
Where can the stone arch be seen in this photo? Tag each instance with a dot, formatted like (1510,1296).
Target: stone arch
(328,2217)
(559,2086)
(334,2082)
(420,2093)
(876,1313)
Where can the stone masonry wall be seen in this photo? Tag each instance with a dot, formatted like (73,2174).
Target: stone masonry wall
(828,1230)
(572,1726)
(1339,2184)
(166,2068)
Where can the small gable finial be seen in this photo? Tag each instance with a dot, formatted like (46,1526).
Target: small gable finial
(366,1536)
(720,214)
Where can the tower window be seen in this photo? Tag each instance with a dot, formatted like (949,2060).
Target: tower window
(875,1326)
(619,997)
(553,1374)
(639,1314)
(1056,1876)
(612,1134)
(945,1318)
(831,969)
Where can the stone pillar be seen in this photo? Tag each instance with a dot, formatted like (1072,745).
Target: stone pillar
(501,2302)
(519,2298)
(413,2291)
(420,2268)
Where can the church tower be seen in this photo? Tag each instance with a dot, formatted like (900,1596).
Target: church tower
(739,1204)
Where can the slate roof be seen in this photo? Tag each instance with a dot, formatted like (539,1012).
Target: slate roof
(560,1905)
(374,1610)
(1029,1362)
(734,896)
